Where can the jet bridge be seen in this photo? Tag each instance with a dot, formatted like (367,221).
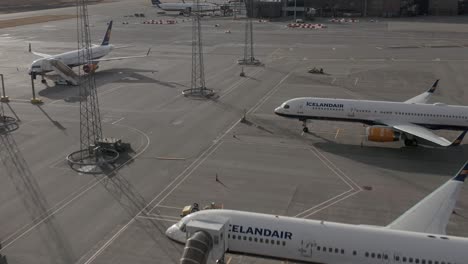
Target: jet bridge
(206,244)
(64,71)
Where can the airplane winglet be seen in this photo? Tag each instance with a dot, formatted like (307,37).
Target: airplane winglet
(434,86)
(30,48)
(459,139)
(461,176)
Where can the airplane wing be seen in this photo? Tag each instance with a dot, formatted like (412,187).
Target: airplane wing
(123,58)
(432,214)
(420,132)
(43,55)
(424,97)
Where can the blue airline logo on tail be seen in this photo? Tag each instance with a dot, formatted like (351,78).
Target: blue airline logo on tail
(106,40)
(462,174)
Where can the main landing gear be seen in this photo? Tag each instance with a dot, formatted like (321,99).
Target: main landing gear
(305,129)
(411,142)
(43,80)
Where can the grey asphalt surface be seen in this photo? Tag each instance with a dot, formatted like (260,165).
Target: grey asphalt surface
(51,214)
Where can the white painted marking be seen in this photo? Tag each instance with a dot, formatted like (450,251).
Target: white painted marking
(158,218)
(337,133)
(354,187)
(356,81)
(170,207)
(333,81)
(117,121)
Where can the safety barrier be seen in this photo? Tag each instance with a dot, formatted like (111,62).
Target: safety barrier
(160,22)
(309,26)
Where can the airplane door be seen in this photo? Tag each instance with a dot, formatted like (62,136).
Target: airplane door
(300,109)
(351,111)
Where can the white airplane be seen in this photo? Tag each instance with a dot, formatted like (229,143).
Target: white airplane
(416,237)
(409,121)
(185,8)
(62,63)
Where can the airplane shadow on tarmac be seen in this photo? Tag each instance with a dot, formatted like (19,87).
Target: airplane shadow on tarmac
(119,75)
(419,159)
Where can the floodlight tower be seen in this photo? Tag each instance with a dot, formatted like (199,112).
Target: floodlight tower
(90,155)
(249,58)
(198,86)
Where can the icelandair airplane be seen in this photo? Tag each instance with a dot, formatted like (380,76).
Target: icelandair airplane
(185,8)
(416,237)
(409,121)
(65,61)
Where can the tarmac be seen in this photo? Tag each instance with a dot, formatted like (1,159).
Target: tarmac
(180,146)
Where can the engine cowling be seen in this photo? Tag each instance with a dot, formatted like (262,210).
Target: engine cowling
(90,68)
(382,134)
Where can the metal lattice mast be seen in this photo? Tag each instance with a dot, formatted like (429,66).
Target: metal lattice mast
(249,58)
(90,120)
(198,70)
(248,45)
(198,85)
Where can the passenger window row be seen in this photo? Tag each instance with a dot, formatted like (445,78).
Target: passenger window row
(419,261)
(331,250)
(258,240)
(376,255)
(328,109)
(432,115)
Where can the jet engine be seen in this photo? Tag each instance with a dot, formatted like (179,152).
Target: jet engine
(90,68)
(382,134)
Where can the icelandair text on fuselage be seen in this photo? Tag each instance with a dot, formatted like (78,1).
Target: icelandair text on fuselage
(260,232)
(324,105)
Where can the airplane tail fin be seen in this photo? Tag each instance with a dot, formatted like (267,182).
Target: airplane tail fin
(156,2)
(432,214)
(106,40)
(459,139)
(434,87)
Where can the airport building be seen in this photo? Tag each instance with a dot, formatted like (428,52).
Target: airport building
(357,8)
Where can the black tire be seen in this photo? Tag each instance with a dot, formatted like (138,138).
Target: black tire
(305,130)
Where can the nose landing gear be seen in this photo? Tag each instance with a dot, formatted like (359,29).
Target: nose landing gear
(305,129)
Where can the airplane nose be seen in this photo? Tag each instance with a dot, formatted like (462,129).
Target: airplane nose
(278,110)
(175,234)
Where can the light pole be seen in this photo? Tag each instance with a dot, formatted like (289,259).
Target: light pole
(295,1)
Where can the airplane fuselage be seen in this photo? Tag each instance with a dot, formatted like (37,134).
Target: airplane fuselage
(71,59)
(326,242)
(432,116)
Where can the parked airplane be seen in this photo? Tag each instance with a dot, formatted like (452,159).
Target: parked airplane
(62,63)
(417,236)
(409,121)
(185,8)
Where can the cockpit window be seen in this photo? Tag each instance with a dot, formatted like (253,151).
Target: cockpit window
(286,106)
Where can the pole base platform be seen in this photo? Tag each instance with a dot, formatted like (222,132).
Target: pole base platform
(36,101)
(199,92)
(8,124)
(4,99)
(250,62)
(86,162)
